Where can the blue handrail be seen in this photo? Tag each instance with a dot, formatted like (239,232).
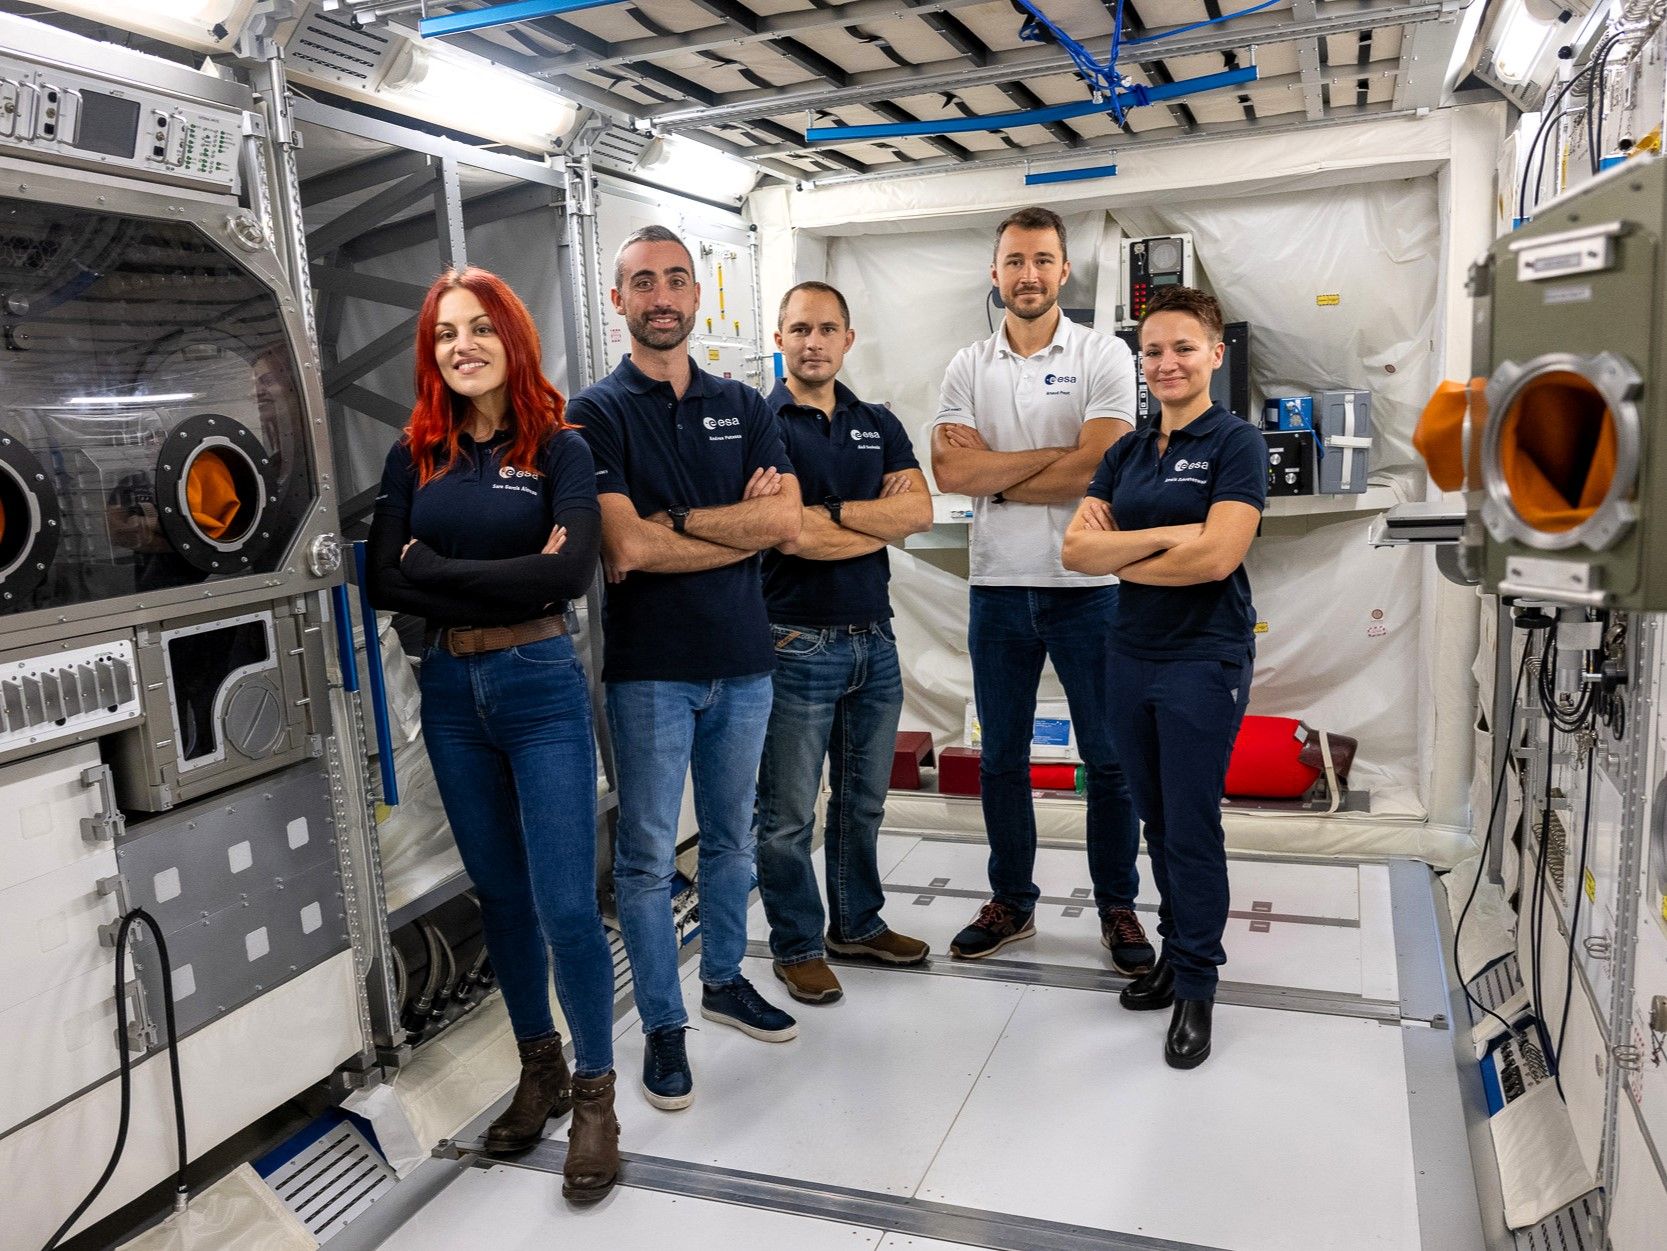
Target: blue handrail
(378,687)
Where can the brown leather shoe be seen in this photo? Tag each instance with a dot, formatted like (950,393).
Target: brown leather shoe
(887,945)
(544,1092)
(809,981)
(592,1164)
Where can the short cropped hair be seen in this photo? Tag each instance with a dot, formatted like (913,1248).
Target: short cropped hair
(1034,218)
(825,288)
(1191,301)
(648,234)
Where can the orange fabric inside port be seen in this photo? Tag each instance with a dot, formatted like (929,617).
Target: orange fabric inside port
(1439,438)
(211,494)
(1557,451)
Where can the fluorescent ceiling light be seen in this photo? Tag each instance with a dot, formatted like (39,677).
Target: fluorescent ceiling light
(1519,39)
(479,97)
(680,164)
(112,401)
(188,23)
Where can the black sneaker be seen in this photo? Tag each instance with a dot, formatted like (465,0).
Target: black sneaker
(1122,935)
(740,1005)
(996,925)
(666,1078)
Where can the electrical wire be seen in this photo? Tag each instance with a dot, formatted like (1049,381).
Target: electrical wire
(181,1189)
(1536,911)
(1487,841)
(1574,921)
(1545,148)
(1547,108)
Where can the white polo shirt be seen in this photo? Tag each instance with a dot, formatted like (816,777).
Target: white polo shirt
(1019,403)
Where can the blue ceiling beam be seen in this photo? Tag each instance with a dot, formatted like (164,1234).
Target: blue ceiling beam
(1032,117)
(1081,174)
(502,15)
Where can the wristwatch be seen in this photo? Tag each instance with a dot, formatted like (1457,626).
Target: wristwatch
(833,504)
(679,514)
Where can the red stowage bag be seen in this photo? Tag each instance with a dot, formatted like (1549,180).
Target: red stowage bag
(1268,760)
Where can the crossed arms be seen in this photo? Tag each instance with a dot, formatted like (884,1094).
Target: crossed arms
(766,515)
(964,463)
(903,507)
(1162,555)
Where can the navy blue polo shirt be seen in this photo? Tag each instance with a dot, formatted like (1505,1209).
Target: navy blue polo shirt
(847,456)
(483,509)
(662,451)
(1214,457)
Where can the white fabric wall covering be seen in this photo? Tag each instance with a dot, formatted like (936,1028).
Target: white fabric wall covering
(916,300)
(521,250)
(1489,924)
(1211,169)
(445,1085)
(234,1071)
(237,1213)
(1539,1163)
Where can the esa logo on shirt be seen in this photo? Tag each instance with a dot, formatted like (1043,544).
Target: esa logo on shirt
(1055,379)
(712,423)
(1189,470)
(510,471)
(723,429)
(857,437)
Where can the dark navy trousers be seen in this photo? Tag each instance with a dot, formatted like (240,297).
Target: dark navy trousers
(1173,723)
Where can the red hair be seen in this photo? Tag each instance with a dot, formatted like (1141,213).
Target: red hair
(536,408)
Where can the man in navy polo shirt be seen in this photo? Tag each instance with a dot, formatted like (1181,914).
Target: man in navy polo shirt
(693,483)
(838,688)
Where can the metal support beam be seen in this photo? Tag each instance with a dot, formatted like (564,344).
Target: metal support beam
(378,351)
(1119,144)
(364,400)
(330,280)
(448,215)
(1028,117)
(725,35)
(376,172)
(1339,17)
(1426,51)
(373,212)
(1308,57)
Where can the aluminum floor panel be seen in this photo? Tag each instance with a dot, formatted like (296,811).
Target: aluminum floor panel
(862,1098)
(510,1209)
(1295,1134)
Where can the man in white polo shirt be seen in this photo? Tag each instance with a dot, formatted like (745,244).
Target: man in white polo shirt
(1024,420)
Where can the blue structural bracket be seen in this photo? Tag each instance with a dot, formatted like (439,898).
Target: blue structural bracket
(378,687)
(1069,175)
(502,15)
(1032,117)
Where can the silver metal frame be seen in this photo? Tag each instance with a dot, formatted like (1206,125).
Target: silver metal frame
(1619,384)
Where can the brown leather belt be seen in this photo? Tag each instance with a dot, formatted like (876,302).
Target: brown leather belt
(473,640)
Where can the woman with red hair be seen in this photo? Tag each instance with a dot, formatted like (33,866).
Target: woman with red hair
(487,525)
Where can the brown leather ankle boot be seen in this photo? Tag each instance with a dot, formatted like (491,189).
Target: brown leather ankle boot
(593,1141)
(545,1091)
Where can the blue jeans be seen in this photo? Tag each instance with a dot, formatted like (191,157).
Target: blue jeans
(1009,632)
(1174,722)
(661,730)
(509,735)
(838,698)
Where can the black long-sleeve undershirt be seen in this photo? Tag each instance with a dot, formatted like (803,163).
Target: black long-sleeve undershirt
(449,591)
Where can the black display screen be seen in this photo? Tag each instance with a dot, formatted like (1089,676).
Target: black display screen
(109,124)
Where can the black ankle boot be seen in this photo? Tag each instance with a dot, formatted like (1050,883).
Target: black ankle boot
(545,1091)
(1152,990)
(1188,1043)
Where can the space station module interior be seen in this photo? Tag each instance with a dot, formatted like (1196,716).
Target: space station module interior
(214,237)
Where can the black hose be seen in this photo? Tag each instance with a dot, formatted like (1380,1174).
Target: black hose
(1547,108)
(181,1188)
(1579,895)
(1487,840)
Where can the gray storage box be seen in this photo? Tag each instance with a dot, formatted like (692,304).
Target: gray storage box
(1343,421)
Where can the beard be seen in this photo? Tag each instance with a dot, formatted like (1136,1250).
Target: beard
(656,337)
(1029,313)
